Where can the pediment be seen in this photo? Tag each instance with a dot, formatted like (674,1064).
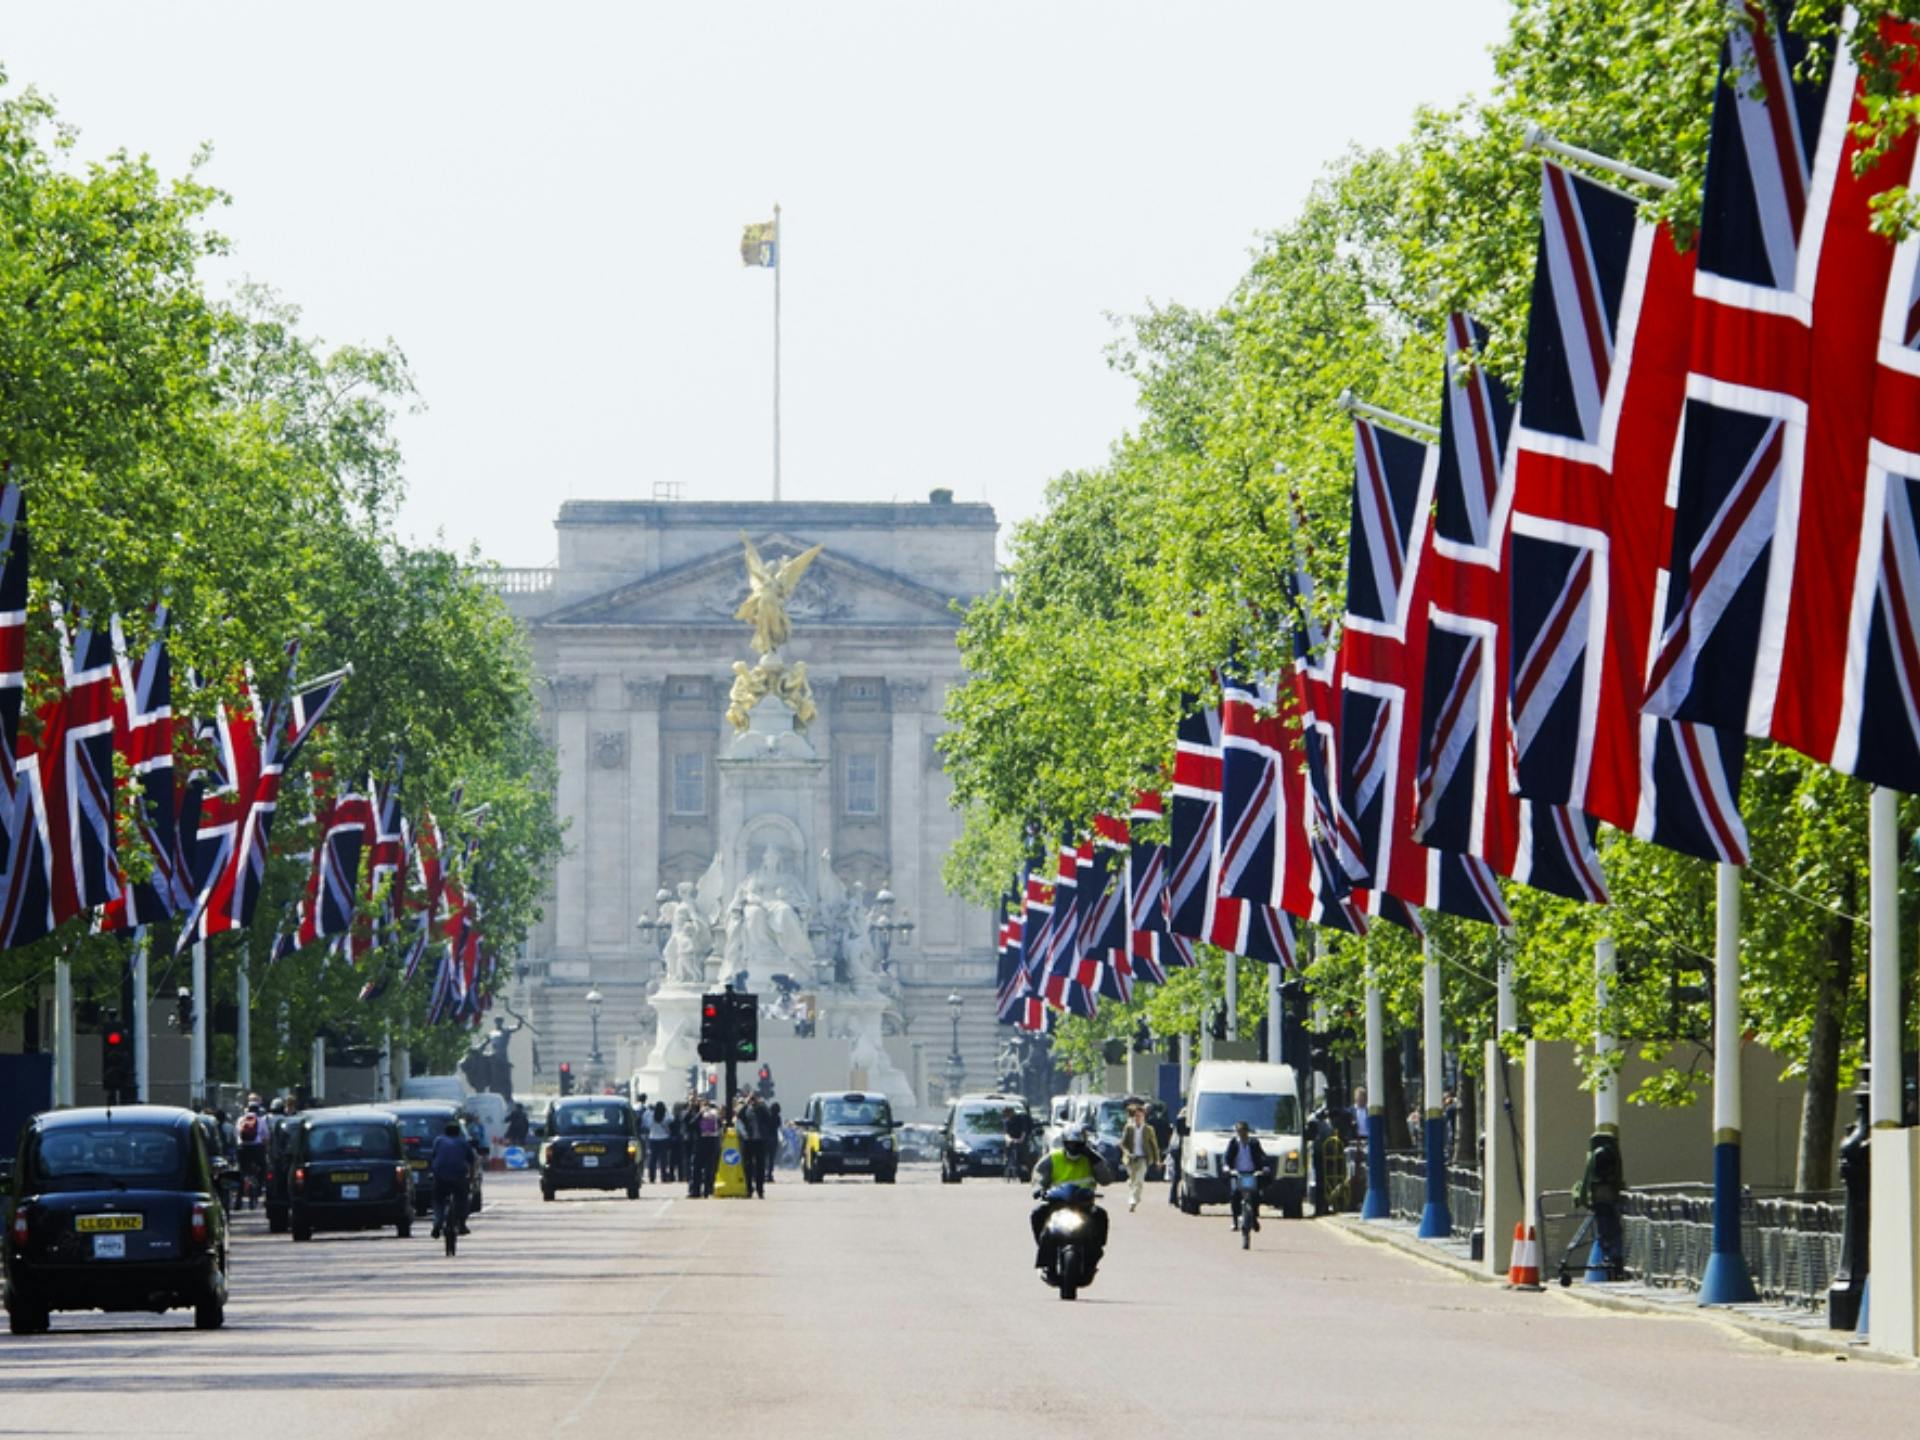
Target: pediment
(835,591)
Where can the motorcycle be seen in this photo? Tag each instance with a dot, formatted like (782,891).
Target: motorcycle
(1068,1238)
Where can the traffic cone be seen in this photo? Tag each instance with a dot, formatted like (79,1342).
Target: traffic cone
(1524,1272)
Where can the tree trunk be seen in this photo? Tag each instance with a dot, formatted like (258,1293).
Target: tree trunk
(1819,1106)
(1399,1136)
(1466,1128)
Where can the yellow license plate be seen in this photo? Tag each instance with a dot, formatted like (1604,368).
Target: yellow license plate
(94,1224)
(350,1177)
(418,1164)
(589,1149)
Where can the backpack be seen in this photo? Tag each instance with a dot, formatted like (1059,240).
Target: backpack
(249,1129)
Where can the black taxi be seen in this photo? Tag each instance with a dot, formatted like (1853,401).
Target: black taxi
(848,1133)
(421,1123)
(114,1209)
(348,1171)
(590,1144)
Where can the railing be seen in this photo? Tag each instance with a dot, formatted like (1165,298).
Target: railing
(1791,1241)
(1407,1190)
(524,580)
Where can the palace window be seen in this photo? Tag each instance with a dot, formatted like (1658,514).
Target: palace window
(689,783)
(863,783)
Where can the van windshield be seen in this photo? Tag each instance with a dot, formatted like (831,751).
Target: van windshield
(1264,1114)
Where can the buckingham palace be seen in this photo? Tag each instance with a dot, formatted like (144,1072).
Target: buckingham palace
(634,630)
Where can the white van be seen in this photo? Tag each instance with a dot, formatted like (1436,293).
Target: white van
(1221,1094)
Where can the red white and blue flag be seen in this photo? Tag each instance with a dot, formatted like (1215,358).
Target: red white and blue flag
(143,741)
(1794,608)
(1463,787)
(1606,380)
(1382,672)
(1155,949)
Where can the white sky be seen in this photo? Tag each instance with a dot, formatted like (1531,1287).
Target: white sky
(543,205)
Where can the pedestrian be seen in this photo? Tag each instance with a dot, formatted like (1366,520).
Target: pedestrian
(640,1135)
(1140,1150)
(518,1126)
(1360,1117)
(1173,1157)
(757,1140)
(677,1143)
(776,1135)
(706,1160)
(1599,1191)
(659,1155)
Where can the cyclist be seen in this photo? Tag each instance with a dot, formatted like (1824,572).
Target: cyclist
(1244,1157)
(250,1137)
(452,1169)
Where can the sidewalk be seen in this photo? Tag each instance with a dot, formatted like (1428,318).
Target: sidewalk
(1789,1327)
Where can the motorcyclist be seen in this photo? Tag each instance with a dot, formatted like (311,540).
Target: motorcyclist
(1072,1171)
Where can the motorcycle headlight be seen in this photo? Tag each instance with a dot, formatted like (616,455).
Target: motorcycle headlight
(1069,1220)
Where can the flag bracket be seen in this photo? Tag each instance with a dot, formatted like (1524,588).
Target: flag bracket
(1538,138)
(1419,429)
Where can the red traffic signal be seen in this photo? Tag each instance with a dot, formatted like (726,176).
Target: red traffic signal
(114,1037)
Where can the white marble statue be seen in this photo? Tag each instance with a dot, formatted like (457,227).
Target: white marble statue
(766,923)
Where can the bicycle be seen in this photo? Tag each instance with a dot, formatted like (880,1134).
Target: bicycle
(450,1208)
(1246,1194)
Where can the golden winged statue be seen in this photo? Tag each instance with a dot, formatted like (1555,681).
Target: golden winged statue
(768,589)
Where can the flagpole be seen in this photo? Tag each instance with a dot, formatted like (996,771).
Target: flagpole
(142,1049)
(1727,1280)
(197,1054)
(1375,1207)
(1436,1219)
(243,1026)
(778,266)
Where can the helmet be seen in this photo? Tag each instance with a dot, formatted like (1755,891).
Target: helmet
(1073,1140)
(277,1106)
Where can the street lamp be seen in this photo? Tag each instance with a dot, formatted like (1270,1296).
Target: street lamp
(882,927)
(594,1000)
(956,1067)
(656,928)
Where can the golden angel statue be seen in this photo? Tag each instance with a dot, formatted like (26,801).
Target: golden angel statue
(768,590)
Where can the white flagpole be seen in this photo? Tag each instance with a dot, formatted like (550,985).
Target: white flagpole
(779,263)
(141,1019)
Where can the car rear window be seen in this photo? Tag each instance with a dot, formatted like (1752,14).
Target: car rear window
(108,1157)
(590,1120)
(420,1128)
(350,1140)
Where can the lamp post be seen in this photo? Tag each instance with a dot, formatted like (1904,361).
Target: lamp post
(882,927)
(594,1002)
(956,1067)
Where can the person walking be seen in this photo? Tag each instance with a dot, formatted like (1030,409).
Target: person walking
(518,1126)
(1174,1143)
(1140,1149)
(658,1141)
(251,1135)
(706,1159)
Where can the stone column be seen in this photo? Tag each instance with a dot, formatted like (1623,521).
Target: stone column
(903,798)
(571,695)
(644,806)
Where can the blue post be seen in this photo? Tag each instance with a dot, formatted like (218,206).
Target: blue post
(1436,1221)
(1727,1281)
(1375,1206)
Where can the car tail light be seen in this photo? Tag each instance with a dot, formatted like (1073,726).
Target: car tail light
(197,1231)
(400,1176)
(20,1228)
(300,1177)
(633,1148)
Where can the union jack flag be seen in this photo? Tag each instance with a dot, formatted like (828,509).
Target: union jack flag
(1067,965)
(432,875)
(236,820)
(386,866)
(1154,949)
(1323,861)
(69,774)
(1606,379)
(1382,668)
(1008,989)
(143,739)
(1464,800)
(1794,509)
(1197,909)
(28,913)
(1103,933)
(1037,919)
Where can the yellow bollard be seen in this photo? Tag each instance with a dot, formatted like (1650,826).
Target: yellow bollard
(730,1179)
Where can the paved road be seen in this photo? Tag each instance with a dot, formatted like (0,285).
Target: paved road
(852,1310)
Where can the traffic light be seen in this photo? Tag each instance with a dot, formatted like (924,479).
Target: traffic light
(765,1083)
(713,1026)
(116,1062)
(743,1027)
(1217,1022)
(566,1077)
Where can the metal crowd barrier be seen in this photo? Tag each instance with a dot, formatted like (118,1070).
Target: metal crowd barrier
(1792,1241)
(1407,1190)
